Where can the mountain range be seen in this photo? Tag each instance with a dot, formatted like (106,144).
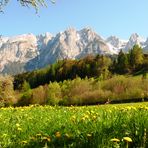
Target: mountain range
(28,52)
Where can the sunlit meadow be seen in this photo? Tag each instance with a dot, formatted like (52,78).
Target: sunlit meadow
(88,126)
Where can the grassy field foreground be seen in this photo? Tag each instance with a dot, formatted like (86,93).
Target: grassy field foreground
(88,126)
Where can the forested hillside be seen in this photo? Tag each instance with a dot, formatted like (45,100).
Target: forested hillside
(101,67)
(91,80)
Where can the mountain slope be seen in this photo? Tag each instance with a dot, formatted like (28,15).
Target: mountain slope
(134,39)
(28,52)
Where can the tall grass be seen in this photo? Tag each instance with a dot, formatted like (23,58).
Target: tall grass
(91,126)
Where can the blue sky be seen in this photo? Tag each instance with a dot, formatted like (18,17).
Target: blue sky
(106,17)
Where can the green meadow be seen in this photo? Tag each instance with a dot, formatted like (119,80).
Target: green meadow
(124,125)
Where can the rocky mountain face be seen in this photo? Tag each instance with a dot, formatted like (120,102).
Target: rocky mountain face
(28,52)
(135,39)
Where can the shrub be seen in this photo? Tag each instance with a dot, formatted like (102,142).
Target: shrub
(25,98)
(54,93)
(6,91)
(38,96)
(85,91)
(122,87)
(25,86)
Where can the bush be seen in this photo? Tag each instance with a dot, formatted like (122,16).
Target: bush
(122,87)
(7,94)
(25,98)
(86,91)
(39,96)
(90,91)
(54,93)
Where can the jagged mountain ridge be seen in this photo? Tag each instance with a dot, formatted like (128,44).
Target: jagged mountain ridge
(28,52)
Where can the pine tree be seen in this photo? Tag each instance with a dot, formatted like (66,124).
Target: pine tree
(122,63)
(136,56)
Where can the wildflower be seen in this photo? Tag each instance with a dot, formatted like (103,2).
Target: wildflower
(127,139)
(4,135)
(92,112)
(89,135)
(46,138)
(86,116)
(19,129)
(38,135)
(83,118)
(115,140)
(73,118)
(24,142)
(109,111)
(128,108)
(134,108)
(57,134)
(94,117)
(88,112)
(32,138)
(17,124)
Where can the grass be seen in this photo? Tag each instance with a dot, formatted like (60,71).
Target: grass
(88,126)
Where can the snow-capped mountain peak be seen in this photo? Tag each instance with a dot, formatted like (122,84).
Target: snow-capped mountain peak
(116,42)
(28,52)
(134,39)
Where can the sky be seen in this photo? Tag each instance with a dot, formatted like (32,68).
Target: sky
(107,17)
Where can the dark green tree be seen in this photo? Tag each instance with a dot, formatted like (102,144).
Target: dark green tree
(122,63)
(136,57)
(102,66)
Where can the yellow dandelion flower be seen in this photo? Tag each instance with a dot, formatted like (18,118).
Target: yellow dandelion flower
(46,138)
(134,108)
(92,112)
(86,116)
(94,117)
(17,124)
(4,135)
(89,135)
(32,138)
(73,118)
(57,134)
(88,112)
(24,142)
(38,135)
(97,114)
(127,139)
(83,118)
(19,129)
(109,111)
(128,108)
(115,140)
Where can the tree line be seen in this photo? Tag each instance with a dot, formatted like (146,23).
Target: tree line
(100,66)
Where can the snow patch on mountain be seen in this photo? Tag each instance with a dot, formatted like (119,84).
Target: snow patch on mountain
(28,52)
(116,42)
(134,39)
